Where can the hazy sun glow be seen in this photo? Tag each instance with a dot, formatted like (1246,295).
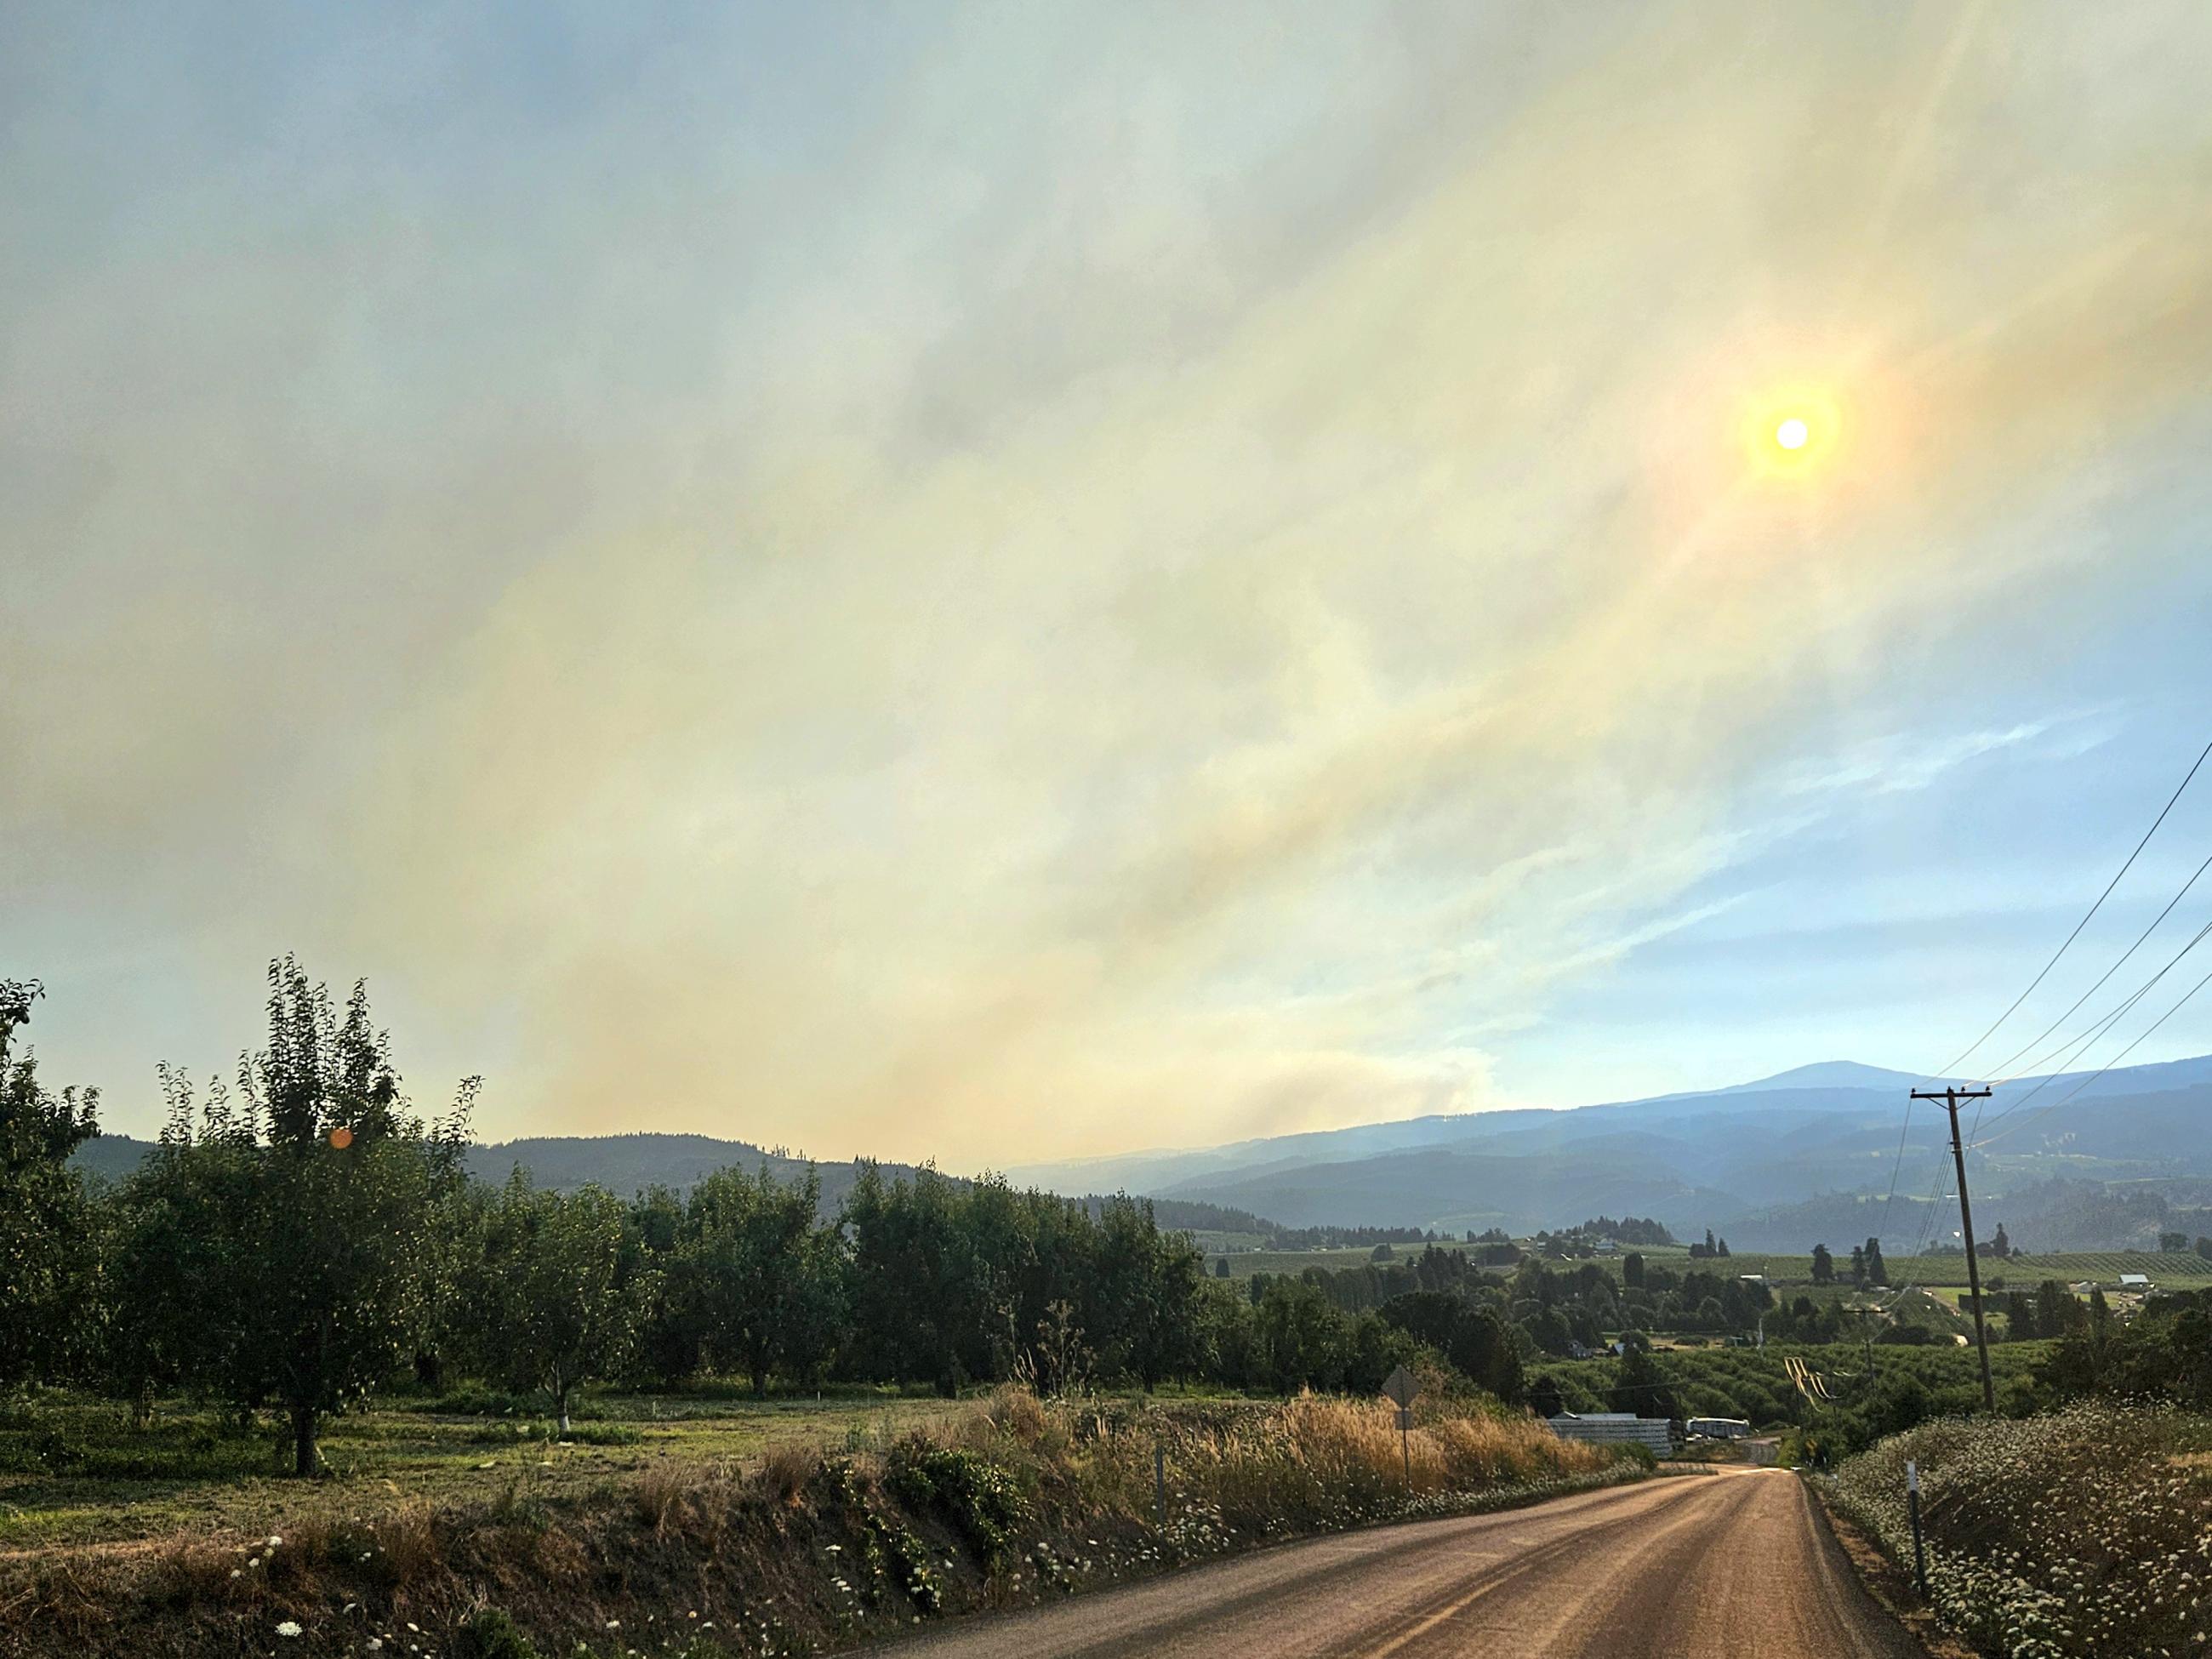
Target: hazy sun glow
(1791,427)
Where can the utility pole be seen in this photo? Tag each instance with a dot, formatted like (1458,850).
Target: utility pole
(1951,1097)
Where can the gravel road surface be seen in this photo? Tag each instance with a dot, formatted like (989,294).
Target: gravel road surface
(1717,1567)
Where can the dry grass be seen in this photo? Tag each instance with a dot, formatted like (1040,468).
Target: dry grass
(997,1503)
(785,1471)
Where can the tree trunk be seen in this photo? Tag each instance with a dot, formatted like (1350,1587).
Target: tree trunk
(305,1459)
(760,1378)
(561,1399)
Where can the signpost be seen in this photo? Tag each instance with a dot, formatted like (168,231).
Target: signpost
(1401,1388)
(1912,1508)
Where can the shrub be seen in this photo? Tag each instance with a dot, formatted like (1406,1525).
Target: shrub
(2085,1532)
(490,1634)
(977,1496)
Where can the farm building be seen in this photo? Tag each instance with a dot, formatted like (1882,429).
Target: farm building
(1719,1428)
(1616,1429)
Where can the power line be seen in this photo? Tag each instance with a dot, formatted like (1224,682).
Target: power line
(1904,1130)
(2072,1046)
(2005,1064)
(2113,1061)
(2084,922)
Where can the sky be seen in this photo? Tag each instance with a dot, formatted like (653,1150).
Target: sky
(1010,581)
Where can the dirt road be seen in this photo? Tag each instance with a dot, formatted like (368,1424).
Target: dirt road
(1718,1567)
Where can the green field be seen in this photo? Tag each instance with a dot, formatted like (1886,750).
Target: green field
(2182,1270)
(2177,1271)
(1243,1264)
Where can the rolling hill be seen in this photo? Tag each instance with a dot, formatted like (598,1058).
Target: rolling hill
(1775,1163)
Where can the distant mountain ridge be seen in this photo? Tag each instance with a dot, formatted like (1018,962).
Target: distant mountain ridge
(1776,1164)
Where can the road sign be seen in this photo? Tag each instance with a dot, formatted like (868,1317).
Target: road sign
(1402,1390)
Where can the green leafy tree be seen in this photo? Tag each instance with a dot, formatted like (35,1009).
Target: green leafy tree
(47,1265)
(668,1347)
(1824,1266)
(759,1275)
(1146,1286)
(553,1309)
(1304,1342)
(310,1199)
(182,1313)
(910,1300)
(1473,1339)
(1640,1386)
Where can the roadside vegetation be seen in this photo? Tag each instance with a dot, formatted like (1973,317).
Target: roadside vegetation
(995,1504)
(2082,1532)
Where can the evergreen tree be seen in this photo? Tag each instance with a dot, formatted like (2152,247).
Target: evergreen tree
(1824,1266)
(1876,1272)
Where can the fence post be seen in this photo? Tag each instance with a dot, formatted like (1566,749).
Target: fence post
(1912,1509)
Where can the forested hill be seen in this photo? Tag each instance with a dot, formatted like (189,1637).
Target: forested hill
(625,1165)
(2103,1163)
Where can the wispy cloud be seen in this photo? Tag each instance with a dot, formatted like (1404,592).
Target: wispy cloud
(1185,588)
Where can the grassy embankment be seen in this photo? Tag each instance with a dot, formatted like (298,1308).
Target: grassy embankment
(2085,1532)
(992,1506)
(73,1469)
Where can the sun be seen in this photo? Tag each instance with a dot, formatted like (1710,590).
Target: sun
(1794,429)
